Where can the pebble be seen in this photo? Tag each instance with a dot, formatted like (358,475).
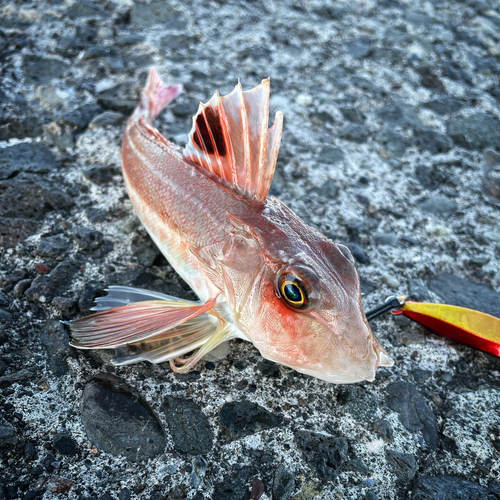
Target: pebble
(304,100)
(52,246)
(5,316)
(384,430)
(442,486)
(242,418)
(389,239)
(330,155)
(52,95)
(438,204)
(64,444)
(88,239)
(358,253)
(403,464)
(188,426)
(283,484)
(257,489)
(360,48)
(8,435)
(100,174)
(327,455)
(414,412)
(26,157)
(354,132)
(199,470)
(119,421)
(390,280)
(475,132)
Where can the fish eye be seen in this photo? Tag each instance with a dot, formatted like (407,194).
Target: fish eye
(293,291)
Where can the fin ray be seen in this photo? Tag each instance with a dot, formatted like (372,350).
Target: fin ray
(133,322)
(230,139)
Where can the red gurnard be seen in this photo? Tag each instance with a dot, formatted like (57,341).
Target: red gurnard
(260,272)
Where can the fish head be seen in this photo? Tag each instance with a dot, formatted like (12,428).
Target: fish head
(296,295)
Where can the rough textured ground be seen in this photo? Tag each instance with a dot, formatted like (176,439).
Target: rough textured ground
(389,107)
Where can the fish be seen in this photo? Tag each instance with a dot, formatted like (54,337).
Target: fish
(260,272)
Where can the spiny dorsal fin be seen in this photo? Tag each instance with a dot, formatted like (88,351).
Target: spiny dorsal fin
(230,139)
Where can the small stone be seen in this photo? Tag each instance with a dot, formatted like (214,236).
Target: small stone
(99,174)
(429,79)
(304,100)
(91,290)
(41,268)
(119,421)
(219,353)
(439,231)
(309,491)
(58,484)
(64,444)
(105,32)
(242,418)
(371,495)
(330,155)
(477,131)
(268,368)
(8,435)
(21,287)
(45,287)
(52,246)
(5,317)
(354,132)
(257,489)
(66,306)
(233,488)
(444,105)
(432,141)
(52,95)
(111,118)
(438,205)
(358,253)
(283,484)
(89,239)
(414,412)
(389,239)
(199,470)
(403,464)
(188,426)
(384,430)
(327,455)
(390,281)
(26,157)
(360,47)
(393,143)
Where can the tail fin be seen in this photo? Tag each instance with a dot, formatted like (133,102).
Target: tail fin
(156,95)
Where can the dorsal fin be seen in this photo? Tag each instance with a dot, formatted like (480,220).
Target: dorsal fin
(230,139)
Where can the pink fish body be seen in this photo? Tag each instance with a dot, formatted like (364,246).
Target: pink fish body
(260,272)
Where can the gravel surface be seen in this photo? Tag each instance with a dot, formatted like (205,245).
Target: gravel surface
(391,145)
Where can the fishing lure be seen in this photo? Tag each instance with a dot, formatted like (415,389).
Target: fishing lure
(467,326)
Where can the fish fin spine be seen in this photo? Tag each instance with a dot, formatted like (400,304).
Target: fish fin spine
(230,139)
(157,95)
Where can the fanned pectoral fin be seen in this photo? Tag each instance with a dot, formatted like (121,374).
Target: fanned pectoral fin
(197,333)
(133,323)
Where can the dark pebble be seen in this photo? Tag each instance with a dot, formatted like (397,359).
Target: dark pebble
(257,489)
(358,253)
(119,421)
(45,287)
(456,488)
(354,132)
(8,435)
(89,239)
(52,246)
(91,290)
(100,174)
(384,430)
(233,488)
(477,131)
(327,455)
(268,368)
(242,418)
(283,484)
(432,141)
(388,239)
(414,412)
(5,316)
(26,157)
(330,155)
(188,426)
(403,464)
(438,205)
(64,444)
(360,47)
